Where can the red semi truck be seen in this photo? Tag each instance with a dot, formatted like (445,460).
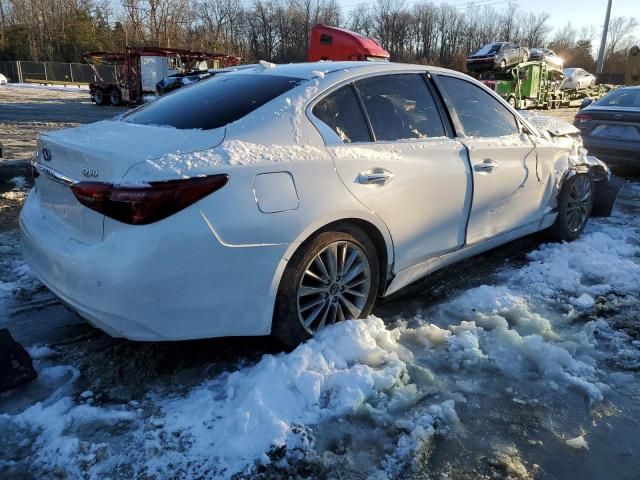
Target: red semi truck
(125,78)
(332,43)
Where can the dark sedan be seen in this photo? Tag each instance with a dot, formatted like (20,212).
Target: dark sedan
(495,56)
(610,126)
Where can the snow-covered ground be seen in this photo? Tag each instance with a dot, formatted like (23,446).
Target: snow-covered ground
(47,86)
(528,371)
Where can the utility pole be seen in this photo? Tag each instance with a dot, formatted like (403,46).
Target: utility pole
(603,41)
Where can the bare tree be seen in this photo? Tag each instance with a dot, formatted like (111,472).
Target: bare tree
(621,33)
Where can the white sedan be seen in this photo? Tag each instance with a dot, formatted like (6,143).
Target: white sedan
(577,79)
(3,79)
(282,199)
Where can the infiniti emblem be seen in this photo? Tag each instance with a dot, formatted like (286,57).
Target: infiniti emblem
(618,116)
(46,154)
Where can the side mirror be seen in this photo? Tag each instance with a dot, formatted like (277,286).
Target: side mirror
(586,102)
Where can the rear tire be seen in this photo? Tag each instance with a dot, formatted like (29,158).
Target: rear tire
(512,102)
(99,97)
(574,208)
(115,97)
(503,65)
(332,277)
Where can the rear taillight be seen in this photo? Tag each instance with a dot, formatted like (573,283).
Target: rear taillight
(581,118)
(148,203)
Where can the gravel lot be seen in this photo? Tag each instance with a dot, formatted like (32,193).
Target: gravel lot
(28,111)
(543,379)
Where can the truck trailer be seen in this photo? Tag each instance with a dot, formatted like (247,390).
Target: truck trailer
(137,71)
(537,85)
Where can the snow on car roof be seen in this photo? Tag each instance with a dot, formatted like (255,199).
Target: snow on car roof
(311,70)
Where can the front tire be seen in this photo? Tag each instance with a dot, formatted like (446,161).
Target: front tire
(334,276)
(574,208)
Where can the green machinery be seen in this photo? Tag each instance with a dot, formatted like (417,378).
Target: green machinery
(536,85)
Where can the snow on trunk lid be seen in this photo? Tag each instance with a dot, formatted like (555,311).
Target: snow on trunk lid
(101,152)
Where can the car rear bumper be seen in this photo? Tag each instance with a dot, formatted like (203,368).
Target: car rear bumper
(173,283)
(613,152)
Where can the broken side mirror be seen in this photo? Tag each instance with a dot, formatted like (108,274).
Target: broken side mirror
(586,102)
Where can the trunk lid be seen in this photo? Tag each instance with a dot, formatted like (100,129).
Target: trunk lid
(101,152)
(614,123)
(104,151)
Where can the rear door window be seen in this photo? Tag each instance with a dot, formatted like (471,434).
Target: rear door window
(480,114)
(214,102)
(400,107)
(341,111)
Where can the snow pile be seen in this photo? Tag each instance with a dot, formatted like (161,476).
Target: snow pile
(578,442)
(229,422)
(232,421)
(266,65)
(603,260)
(418,430)
(500,330)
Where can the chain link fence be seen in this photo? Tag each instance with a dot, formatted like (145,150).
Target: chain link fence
(54,72)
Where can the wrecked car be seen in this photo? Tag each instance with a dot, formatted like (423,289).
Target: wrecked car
(496,56)
(292,196)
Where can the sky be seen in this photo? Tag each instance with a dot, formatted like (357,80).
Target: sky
(579,12)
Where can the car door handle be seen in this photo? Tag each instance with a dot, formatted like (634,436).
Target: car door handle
(487,166)
(375,176)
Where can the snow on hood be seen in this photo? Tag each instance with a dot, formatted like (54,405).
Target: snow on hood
(553,125)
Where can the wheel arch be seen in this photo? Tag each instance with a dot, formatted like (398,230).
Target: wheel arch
(375,229)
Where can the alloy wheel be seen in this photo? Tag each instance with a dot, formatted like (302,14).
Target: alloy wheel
(579,203)
(335,286)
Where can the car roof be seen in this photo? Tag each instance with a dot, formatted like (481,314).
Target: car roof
(311,70)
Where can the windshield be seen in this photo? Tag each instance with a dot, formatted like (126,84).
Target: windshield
(489,49)
(569,71)
(212,103)
(622,97)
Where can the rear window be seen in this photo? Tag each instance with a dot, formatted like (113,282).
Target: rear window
(214,102)
(621,98)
